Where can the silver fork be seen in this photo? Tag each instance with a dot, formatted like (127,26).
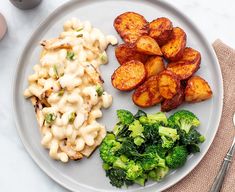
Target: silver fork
(218,182)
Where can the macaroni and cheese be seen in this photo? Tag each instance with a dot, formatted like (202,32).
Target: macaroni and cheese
(67,93)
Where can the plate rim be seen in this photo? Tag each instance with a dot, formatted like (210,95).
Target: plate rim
(38,29)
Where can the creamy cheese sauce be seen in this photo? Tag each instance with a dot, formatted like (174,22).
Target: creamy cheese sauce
(68,79)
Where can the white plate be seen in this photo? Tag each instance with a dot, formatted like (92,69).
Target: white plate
(87,175)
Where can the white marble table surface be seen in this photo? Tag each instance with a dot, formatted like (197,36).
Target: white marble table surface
(18,172)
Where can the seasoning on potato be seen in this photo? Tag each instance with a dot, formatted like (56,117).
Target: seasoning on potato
(173,50)
(169,84)
(154,65)
(147,94)
(187,65)
(148,46)
(126,52)
(131,26)
(197,90)
(129,75)
(174,102)
(151,45)
(160,29)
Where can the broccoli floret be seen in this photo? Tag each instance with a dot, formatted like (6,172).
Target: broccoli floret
(139,114)
(192,137)
(118,163)
(168,136)
(136,129)
(150,159)
(151,133)
(191,140)
(117,128)
(167,143)
(133,171)
(138,141)
(125,117)
(161,151)
(184,120)
(158,173)
(159,117)
(108,149)
(121,131)
(128,148)
(141,180)
(117,177)
(177,157)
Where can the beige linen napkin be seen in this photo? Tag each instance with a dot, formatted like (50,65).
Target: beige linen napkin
(201,178)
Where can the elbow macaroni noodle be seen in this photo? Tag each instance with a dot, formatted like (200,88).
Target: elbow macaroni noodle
(64,90)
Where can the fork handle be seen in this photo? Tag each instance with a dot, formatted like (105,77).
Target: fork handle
(218,182)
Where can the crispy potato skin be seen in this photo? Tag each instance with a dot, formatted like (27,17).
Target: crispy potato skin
(126,52)
(177,100)
(187,65)
(197,90)
(131,26)
(148,46)
(169,84)
(160,29)
(129,75)
(154,65)
(173,50)
(147,94)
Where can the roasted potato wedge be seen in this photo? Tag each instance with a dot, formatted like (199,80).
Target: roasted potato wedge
(131,26)
(147,94)
(187,65)
(173,50)
(129,75)
(154,65)
(160,29)
(127,52)
(197,90)
(173,103)
(148,45)
(168,83)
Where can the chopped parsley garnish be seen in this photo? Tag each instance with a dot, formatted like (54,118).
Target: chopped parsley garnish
(56,71)
(80,35)
(99,90)
(50,117)
(70,55)
(61,92)
(79,29)
(72,117)
(104,58)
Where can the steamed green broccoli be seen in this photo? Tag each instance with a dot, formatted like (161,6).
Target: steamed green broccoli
(139,140)
(168,136)
(158,173)
(143,147)
(141,179)
(150,159)
(191,140)
(133,170)
(121,131)
(161,151)
(177,157)
(108,149)
(117,177)
(151,133)
(159,117)
(128,148)
(125,116)
(136,129)
(139,114)
(183,120)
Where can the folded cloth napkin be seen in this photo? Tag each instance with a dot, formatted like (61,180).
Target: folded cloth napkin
(202,177)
